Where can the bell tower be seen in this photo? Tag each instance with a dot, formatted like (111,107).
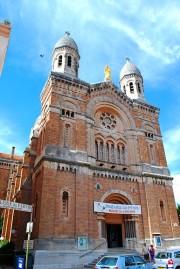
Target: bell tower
(65,58)
(131,81)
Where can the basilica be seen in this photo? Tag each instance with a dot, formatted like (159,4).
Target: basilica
(95,170)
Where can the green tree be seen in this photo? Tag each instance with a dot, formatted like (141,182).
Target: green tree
(178,210)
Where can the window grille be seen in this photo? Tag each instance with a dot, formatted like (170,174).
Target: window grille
(118,155)
(101,151)
(123,155)
(107,153)
(130,229)
(112,153)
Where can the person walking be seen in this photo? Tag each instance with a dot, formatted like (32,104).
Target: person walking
(145,252)
(151,253)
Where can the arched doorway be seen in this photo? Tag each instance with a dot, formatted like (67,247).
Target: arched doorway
(119,229)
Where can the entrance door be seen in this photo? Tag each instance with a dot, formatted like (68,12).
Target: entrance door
(114,235)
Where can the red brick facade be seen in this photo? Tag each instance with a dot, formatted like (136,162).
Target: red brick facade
(92,143)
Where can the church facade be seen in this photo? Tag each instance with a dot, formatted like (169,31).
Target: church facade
(94,145)
(97,163)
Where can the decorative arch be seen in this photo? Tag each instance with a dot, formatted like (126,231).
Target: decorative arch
(68,103)
(120,109)
(117,195)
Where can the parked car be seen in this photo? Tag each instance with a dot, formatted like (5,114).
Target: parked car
(167,259)
(129,261)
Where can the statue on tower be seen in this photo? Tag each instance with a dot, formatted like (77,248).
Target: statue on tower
(107,72)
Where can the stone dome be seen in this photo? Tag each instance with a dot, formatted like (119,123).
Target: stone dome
(35,130)
(128,69)
(66,41)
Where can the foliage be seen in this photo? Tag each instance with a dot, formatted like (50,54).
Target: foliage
(6,247)
(3,243)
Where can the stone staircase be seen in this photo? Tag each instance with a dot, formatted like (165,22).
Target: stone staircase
(111,251)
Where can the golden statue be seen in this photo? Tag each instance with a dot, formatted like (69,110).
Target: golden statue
(107,72)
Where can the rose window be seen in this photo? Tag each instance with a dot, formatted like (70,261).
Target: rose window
(108,120)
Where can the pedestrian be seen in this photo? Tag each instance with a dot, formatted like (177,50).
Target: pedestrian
(145,252)
(151,253)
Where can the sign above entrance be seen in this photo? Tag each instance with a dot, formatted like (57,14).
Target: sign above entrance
(117,208)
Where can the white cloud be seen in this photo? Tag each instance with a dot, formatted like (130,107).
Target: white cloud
(172,149)
(9,137)
(176,187)
(172,145)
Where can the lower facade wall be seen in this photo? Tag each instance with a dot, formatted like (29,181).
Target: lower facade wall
(64,254)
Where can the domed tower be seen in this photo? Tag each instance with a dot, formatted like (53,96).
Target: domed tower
(66,56)
(131,81)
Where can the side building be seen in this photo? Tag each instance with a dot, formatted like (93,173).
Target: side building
(5,30)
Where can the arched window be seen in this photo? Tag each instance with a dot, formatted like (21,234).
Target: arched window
(76,66)
(67,133)
(123,152)
(69,61)
(107,153)
(96,149)
(60,60)
(162,211)
(112,153)
(65,204)
(101,151)
(139,87)
(118,155)
(131,87)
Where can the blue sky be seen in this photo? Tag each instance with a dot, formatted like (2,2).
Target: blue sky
(106,31)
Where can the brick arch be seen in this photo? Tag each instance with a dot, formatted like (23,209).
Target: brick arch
(118,196)
(148,126)
(71,102)
(114,105)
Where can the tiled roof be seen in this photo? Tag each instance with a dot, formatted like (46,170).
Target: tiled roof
(9,156)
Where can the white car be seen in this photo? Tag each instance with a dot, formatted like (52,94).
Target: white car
(129,261)
(167,259)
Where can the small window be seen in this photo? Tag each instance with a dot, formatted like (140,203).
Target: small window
(161,204)
(67,135)
(107,153)
(65,203)
(101,151)
(96,149)
(69,61)
(131,87)
(139,87)
(60,60)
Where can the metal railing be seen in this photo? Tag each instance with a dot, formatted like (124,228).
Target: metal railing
(90,251)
